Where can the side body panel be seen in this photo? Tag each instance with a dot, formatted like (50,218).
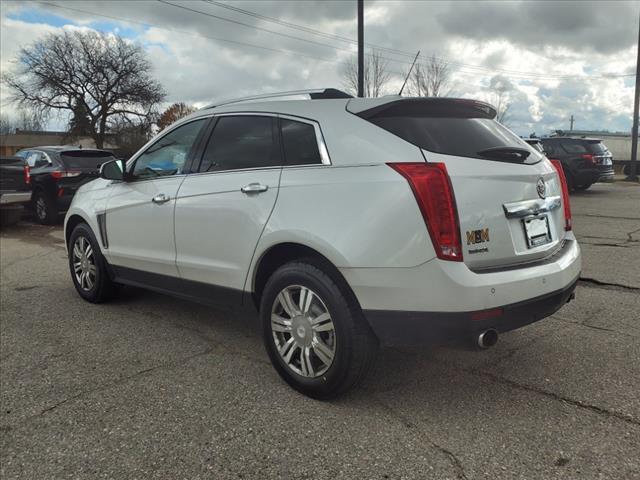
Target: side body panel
(361,216)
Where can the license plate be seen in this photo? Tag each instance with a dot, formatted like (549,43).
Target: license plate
(536,229)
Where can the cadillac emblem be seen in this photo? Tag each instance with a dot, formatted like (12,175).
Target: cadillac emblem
(541,188)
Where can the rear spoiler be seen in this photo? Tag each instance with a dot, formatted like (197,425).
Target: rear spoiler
(393,106)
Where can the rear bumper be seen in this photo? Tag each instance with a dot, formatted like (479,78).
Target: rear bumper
(395,328)
(15,197)
(606,175)
(440,296)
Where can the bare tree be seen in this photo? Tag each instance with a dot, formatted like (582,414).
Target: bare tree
(174,113)
(376,75)
(25,120)
(103,75)
(501,99)
(431,79)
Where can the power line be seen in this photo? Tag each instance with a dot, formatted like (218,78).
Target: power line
(303,28)
(217,39)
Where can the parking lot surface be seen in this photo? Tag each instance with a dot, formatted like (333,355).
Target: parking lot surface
(153,387)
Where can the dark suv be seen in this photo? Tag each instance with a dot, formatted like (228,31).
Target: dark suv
(585,160)
(56,174)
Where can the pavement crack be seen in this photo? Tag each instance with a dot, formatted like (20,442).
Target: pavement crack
(576,403)
(409,425)
(124,380)
(630,235)
(593,283)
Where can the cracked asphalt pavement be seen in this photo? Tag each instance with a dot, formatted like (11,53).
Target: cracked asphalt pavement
(153,387)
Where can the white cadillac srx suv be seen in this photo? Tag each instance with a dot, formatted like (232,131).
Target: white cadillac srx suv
(348,223)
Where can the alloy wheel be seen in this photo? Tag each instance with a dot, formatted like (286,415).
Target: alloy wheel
(84,265)
(41,208)
(303,331)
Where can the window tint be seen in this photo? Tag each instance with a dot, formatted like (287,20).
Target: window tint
(463,133)
(168,155)
(573,146)
(85,158)
(596,147)
(549,147)
(241,142)
(300,143)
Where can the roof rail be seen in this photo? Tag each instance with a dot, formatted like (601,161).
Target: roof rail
(312,94)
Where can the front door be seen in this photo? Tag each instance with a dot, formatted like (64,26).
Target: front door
(140,211)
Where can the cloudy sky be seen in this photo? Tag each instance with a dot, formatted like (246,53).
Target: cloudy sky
(556,58)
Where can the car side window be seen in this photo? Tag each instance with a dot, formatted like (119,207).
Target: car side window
(549,147)
(239,142)
(33,158)
(300,143)
(169,154)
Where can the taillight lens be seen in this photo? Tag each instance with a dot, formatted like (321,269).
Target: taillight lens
(565,194)
(27,175)
(432,188)
(590,158)
(65,173)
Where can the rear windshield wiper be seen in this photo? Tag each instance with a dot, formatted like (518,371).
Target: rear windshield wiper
(506,153)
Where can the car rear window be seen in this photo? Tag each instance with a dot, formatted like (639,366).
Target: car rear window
(596,146)
(573,146)
(85,159)
(450,129)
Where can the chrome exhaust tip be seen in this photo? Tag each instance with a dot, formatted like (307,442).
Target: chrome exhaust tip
(488,338)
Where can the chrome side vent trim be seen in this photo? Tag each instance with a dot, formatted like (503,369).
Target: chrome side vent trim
(102,225)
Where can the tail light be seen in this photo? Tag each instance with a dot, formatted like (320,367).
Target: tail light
(590,158)
(565,194)
(27,174)
(432,188)
(57,174)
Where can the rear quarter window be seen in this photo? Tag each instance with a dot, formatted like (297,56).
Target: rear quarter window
(300,143)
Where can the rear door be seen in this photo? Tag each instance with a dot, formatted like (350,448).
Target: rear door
(222,210)
(499,181)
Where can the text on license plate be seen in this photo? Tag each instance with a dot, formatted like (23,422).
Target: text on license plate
(536,230)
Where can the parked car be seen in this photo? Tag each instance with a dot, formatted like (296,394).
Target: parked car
(56,174)
(585,160)
(535,143)
(15,189)
(347,223)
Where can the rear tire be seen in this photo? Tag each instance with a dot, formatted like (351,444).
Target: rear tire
(44,209)
(88,267)
(314,331)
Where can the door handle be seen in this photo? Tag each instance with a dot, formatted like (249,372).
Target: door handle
(254,188)
(160,199)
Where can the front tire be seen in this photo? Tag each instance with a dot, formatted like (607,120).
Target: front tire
(314,331)
(88,267)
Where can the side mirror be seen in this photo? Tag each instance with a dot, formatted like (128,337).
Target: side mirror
(113,170)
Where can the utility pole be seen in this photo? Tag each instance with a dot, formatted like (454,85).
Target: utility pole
(571,127)
(633,173)
(361,48)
